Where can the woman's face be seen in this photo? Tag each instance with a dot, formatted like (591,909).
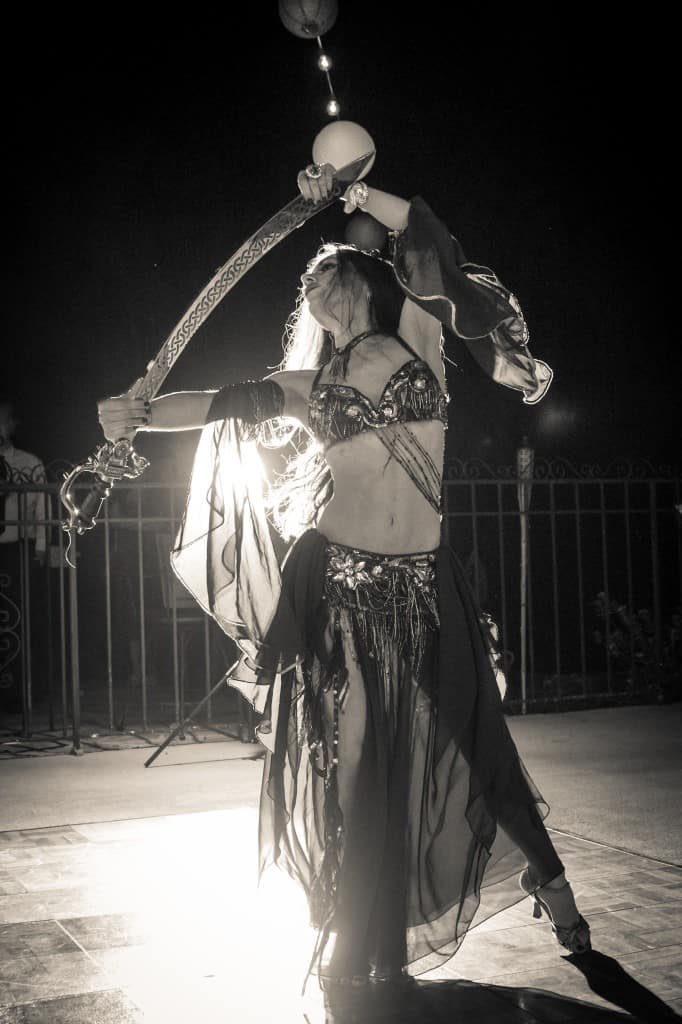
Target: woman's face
(331,293)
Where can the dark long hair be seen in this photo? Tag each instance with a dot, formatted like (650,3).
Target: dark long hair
(300,493)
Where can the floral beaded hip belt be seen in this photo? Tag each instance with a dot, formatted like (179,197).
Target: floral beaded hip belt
(388,584)
(392,599)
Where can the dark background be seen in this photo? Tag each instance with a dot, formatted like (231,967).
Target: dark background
(141,156)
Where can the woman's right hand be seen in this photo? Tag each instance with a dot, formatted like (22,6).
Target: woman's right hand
(123,415)
(316,182)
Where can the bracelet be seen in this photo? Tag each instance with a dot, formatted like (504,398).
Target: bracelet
(357,194)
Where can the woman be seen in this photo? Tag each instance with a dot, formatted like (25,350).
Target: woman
(392,790)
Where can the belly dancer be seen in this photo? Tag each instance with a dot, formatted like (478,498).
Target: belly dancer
(392,790)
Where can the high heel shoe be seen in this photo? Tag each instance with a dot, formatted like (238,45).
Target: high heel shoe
(575,937)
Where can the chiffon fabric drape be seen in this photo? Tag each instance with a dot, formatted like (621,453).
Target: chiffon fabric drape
(397,844)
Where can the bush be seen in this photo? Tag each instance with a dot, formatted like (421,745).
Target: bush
(629,639)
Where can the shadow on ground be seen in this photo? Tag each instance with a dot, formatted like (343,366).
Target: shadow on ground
(442,1002)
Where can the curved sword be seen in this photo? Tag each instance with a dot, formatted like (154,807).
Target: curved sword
(118,460)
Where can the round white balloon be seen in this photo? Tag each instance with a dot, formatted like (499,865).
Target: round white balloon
(341,142)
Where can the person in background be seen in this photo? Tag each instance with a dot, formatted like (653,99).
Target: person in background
(22,521)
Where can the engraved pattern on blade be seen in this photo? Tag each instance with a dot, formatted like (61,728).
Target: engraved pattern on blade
(292,216)
(283,223)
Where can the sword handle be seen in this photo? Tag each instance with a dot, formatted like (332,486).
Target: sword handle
(111,462)
(83,517)
(91,506)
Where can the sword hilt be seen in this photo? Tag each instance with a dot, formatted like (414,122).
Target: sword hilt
(111,462)
(84,517)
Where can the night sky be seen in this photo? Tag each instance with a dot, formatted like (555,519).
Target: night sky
(142,156)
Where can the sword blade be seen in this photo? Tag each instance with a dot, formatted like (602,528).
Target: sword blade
(286,220)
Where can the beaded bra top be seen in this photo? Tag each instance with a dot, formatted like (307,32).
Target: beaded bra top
(338,411)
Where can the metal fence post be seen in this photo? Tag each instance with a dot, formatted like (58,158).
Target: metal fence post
(524,474)
(75,651)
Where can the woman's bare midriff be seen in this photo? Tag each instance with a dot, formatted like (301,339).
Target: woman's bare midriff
(376,506)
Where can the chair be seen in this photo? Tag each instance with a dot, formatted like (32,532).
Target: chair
(181,609)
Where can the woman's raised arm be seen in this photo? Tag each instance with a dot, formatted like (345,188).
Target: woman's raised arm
(389,210)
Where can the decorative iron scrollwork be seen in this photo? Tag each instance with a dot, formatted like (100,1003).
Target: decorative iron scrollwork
(559,468)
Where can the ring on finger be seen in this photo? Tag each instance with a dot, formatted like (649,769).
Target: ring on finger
(313,171)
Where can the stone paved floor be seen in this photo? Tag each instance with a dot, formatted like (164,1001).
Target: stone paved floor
(159,920)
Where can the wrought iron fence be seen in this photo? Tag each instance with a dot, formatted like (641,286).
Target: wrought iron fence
(114,641)
(604,577)
(117,643)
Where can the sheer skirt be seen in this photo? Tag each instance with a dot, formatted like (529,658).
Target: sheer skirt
(394,795)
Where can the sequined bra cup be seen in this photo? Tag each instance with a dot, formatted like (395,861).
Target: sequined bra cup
(338,411)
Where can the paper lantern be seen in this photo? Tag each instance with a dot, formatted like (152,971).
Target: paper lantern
(341,142)
(308,19)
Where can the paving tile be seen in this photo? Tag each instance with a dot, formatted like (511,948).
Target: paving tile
(491,1004)
(108,1007)
(87,857)
(12,948)
(443,1003)
(515,917)
(9,887)
(42,878)
(485,960)
(21,968)
(22,907)
(548,1008)
(645,919)
(658,968)
(664,937)
(652,956)
(617,943)
(41,837)
(37,937)
(64,903)
(556,980)
(50,976)
(23,855)
(103,931)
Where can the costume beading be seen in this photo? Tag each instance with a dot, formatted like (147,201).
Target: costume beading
(338,411)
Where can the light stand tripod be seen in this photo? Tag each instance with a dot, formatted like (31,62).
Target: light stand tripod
(180,727)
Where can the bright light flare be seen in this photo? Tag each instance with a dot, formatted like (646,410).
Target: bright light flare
(210,939)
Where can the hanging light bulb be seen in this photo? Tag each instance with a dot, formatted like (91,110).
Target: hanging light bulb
(311,19)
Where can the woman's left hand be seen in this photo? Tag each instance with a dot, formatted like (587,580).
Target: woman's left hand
(123,415)
(316,182)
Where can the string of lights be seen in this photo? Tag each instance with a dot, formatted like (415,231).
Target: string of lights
(339,142)
(324,63)
(310,19)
